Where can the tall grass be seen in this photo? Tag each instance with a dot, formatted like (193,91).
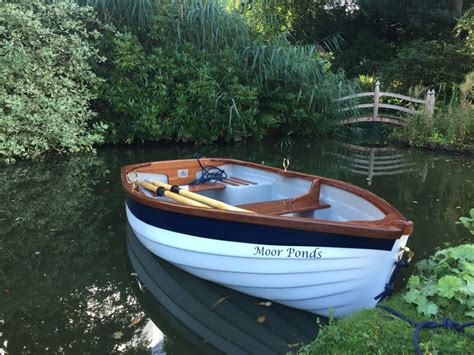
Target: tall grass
(210,26)
(125,12)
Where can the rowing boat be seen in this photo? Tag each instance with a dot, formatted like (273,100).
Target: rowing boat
(308,242)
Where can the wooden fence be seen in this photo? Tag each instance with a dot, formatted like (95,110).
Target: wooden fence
(425,107)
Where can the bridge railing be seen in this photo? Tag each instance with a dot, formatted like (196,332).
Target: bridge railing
(427,107)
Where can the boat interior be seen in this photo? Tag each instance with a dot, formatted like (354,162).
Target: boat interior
(264,191)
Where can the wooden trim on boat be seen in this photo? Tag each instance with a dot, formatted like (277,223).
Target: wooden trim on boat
(230,182)
(392,226)
(244,181)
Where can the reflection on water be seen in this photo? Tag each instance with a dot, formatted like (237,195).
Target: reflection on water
(64,281)
(374,161)
(209,318)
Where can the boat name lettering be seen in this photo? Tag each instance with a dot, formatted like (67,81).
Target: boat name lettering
(316,253)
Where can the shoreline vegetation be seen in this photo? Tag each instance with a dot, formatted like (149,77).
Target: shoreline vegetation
(196,71)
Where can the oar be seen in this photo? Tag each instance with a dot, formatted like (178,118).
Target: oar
(209,201)
(160,191)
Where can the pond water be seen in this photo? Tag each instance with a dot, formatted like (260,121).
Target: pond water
(69,267)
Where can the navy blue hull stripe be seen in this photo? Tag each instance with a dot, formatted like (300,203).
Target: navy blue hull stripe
(249,233)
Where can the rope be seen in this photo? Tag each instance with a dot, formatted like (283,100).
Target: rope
(209,173)
(389,288)
(445,323)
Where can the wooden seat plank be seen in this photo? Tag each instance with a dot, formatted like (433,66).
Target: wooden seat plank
(206,187)
(284,206)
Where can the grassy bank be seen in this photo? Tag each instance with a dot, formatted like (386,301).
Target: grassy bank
(375,331)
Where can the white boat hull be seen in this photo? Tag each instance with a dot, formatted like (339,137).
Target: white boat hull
(324,280)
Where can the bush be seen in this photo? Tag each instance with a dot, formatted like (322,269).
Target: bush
(200,73)
(157,91)
(47,83)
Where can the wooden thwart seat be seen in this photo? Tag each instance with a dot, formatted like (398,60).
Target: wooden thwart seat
(284,206)
(206,187)
(304,203)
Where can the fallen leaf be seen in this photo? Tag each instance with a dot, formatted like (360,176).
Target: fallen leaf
(219,301)
(295,345)
(117,335)
(261,319)
(136,321)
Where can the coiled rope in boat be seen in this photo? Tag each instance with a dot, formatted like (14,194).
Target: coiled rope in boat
(208,173)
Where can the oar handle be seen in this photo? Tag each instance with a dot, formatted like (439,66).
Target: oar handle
(161,191)
(207,200)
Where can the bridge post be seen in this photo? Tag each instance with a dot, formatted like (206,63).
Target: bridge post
(376,101)
(429,107)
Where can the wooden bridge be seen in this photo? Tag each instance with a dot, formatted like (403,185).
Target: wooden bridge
(413,106)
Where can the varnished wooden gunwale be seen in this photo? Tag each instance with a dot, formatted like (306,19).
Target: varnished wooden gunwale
(392,226)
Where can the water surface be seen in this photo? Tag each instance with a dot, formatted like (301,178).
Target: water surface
(67,283)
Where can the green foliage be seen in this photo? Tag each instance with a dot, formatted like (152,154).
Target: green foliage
(452,125)
(412,18)
(124,12)
(357,59)
(426,63)
(468,222)
(445,281)
(465,30)
(200,73)
(46,56)
(401,42)
(192,96)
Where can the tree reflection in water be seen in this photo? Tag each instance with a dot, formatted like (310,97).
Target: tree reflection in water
(64,288)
